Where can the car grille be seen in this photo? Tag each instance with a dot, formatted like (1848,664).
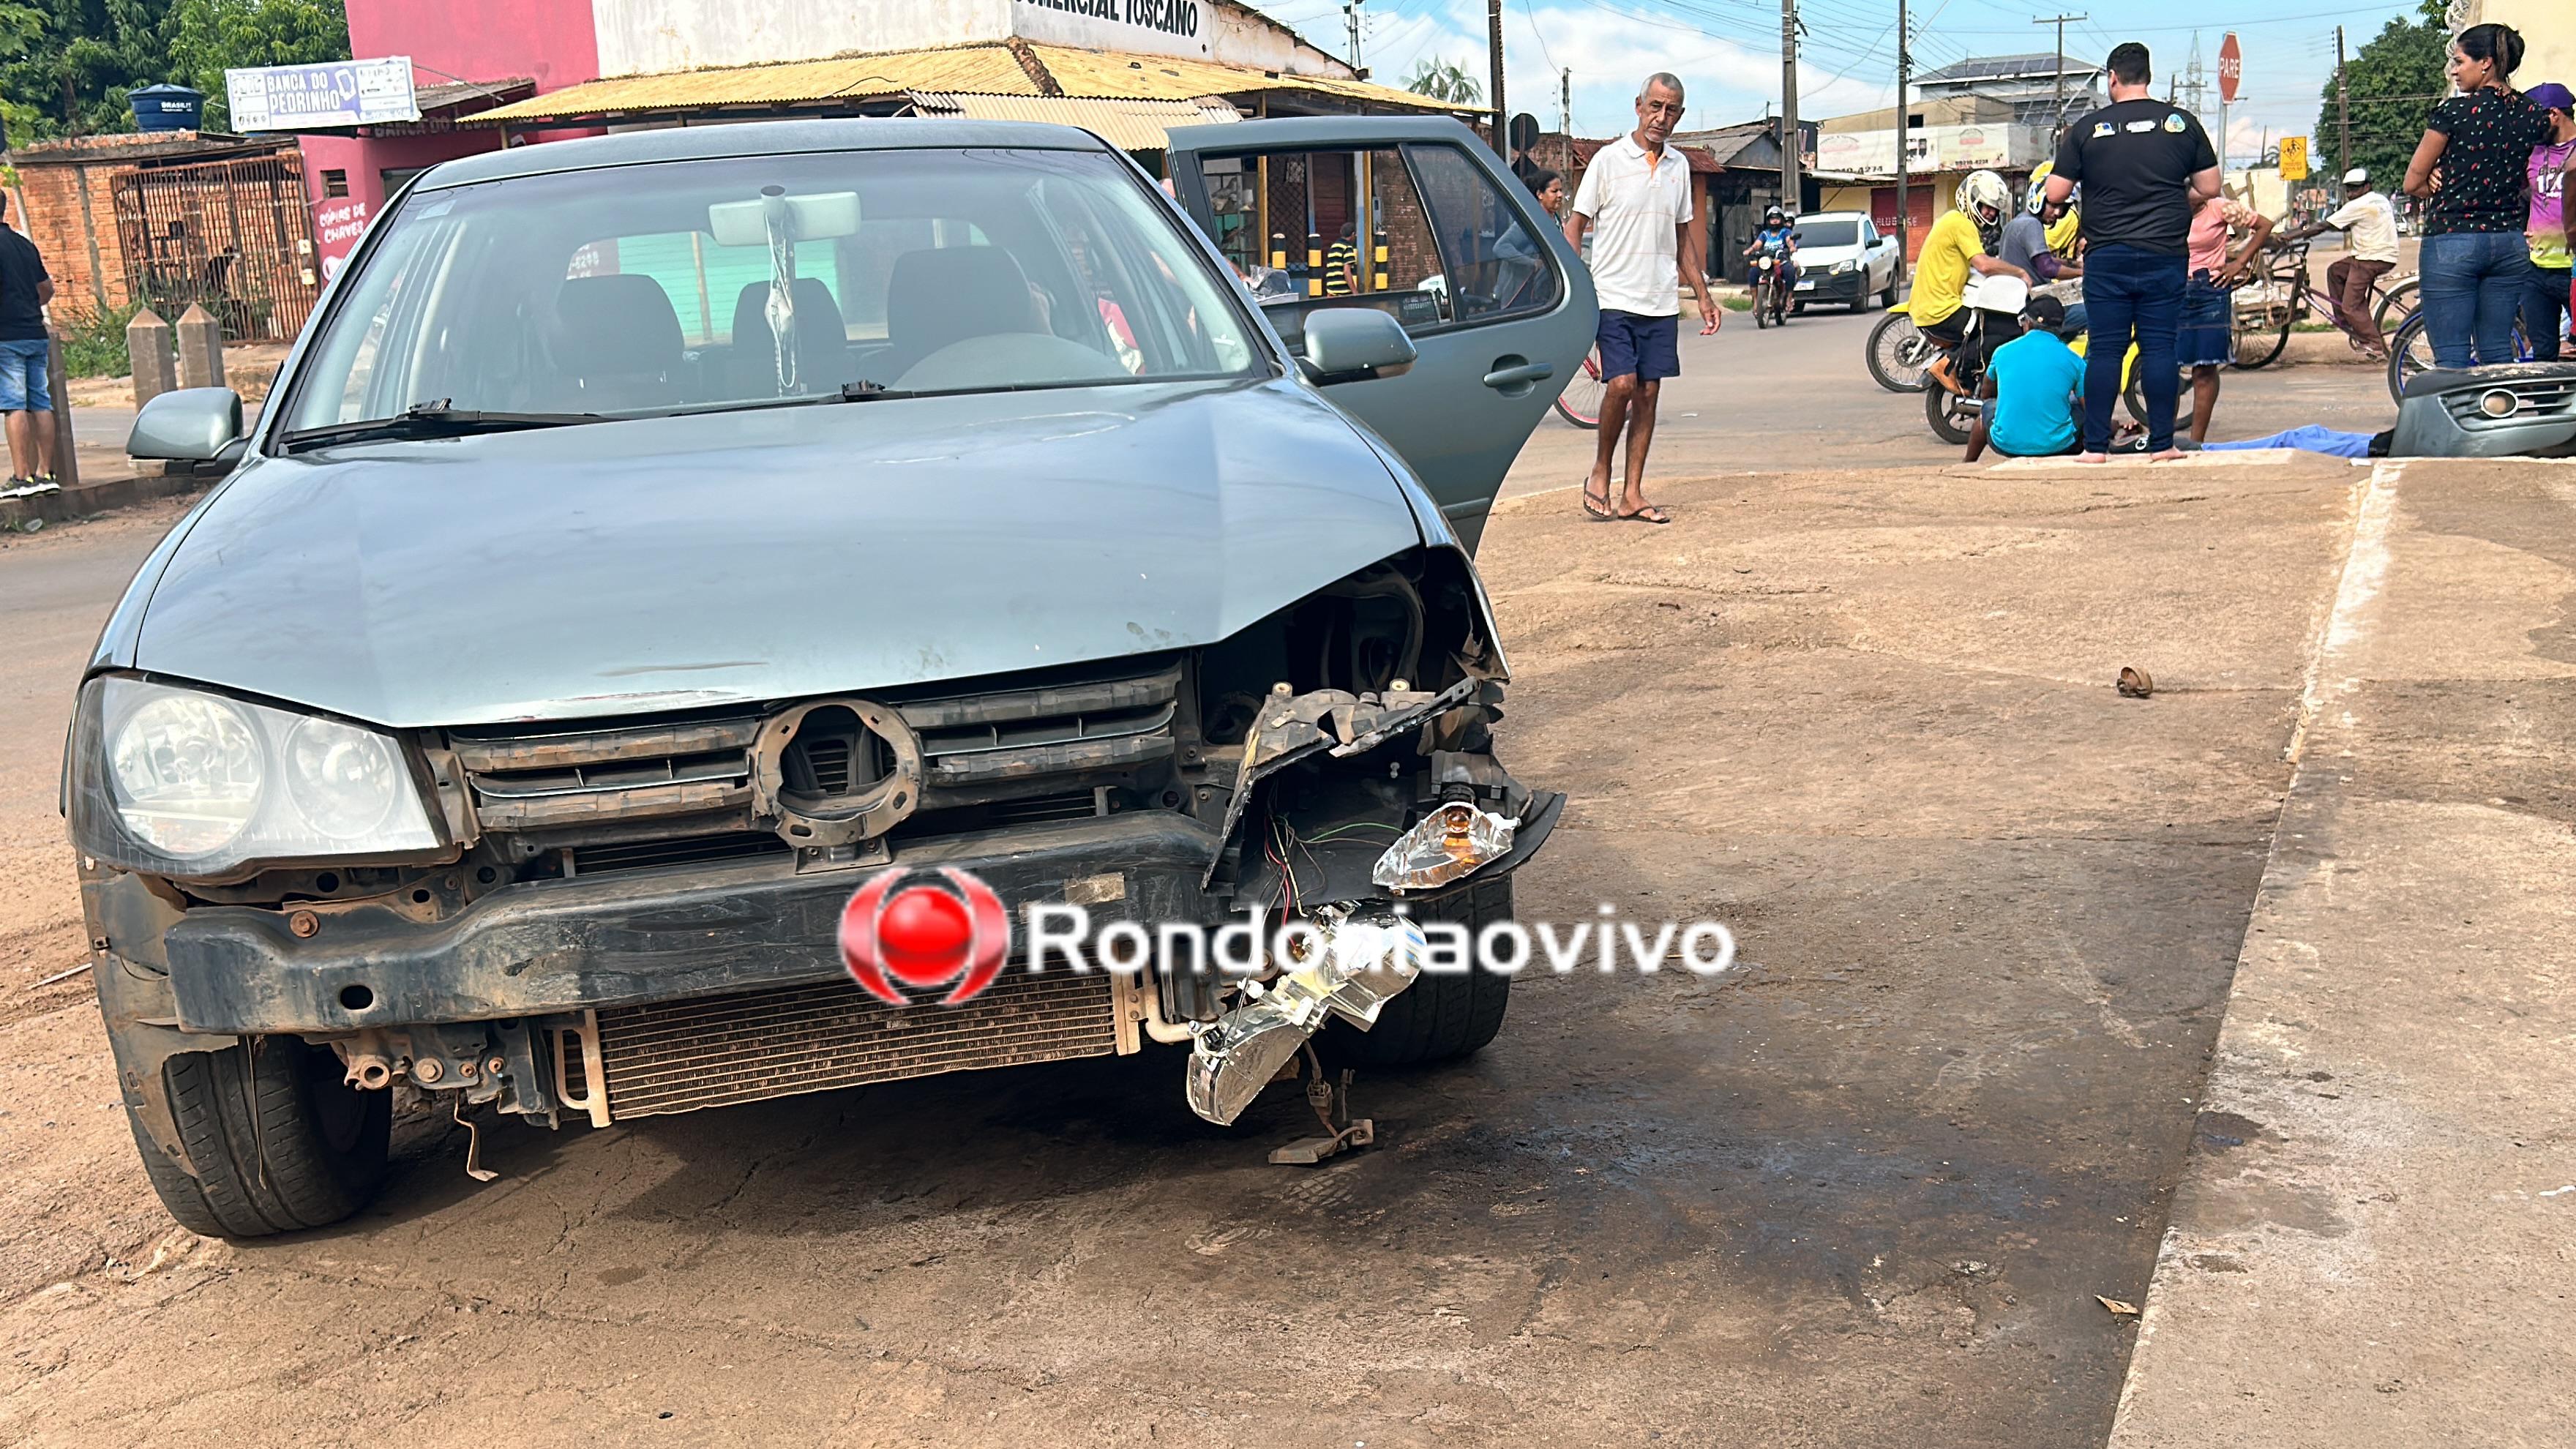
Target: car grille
(724,1050)
(2536,397)
(1042,742)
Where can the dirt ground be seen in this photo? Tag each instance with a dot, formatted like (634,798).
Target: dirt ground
(1861,1191)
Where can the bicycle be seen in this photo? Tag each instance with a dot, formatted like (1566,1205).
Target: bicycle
(2410,352)
(2283,296)
(1580,403)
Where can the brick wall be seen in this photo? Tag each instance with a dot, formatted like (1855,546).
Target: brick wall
(69,198)
(77,242)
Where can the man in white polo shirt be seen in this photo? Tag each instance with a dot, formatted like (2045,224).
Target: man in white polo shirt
(1636,201)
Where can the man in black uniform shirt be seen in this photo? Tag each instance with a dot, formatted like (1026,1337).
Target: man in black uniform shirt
(2144,166)
(26,397)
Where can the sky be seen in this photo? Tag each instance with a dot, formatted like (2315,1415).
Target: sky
(1727,52)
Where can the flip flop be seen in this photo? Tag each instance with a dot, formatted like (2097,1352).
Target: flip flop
(1651,513)
(1596,512)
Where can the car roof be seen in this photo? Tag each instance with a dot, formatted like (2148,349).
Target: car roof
(753,138)
(1829,215)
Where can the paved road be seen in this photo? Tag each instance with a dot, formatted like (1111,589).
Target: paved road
(1861,1192)
(1762,400)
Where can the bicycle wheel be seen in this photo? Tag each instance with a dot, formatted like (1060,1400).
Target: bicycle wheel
(2397,302)
(1580,403)
(2410,352)
(2263,336)
(1898,353)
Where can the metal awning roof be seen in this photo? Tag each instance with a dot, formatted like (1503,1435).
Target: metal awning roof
(1128,125)
(1054,72)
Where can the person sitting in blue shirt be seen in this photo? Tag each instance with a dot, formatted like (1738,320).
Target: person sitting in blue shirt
(2034,392)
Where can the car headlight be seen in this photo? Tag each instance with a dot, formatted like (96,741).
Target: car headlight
(182,782)
(1846,266)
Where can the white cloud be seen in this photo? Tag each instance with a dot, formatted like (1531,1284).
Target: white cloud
(1610,53)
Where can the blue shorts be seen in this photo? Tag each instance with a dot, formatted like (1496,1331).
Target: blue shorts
(1649,347)
(23,388)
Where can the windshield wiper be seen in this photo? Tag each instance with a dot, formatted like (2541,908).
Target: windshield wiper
(440,419)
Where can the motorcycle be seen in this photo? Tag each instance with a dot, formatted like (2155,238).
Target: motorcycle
(1771,286)
(1898,352)
(1953,415)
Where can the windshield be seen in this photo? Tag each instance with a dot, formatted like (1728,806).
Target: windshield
(689,285)
(1828,233)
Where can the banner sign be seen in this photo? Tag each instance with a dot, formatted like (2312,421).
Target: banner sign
(1151,27)
(328,96)
(337,225)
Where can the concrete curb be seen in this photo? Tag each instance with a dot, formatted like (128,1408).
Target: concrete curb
(27,515)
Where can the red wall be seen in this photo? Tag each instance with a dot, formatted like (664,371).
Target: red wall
(481,40)
(451,40)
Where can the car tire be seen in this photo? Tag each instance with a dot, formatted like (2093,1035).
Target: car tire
(1438,1018)
(1889,298)
(279,1142)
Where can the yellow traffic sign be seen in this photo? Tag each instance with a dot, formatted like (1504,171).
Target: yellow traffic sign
(2294,158)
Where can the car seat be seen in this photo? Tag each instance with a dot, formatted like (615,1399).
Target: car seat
(616,344)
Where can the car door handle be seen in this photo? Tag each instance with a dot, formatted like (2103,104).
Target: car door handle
(1521,375)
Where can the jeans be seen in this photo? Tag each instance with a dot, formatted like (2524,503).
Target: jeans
(2473,283)
(24,388)
(2544,311)
(2130,293)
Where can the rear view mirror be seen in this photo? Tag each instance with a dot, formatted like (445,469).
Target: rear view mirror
(810,218)
(191,425)
(1354,344)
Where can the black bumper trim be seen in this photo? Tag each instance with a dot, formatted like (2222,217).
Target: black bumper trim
(566,945)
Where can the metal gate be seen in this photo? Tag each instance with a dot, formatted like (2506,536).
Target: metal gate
(235,236)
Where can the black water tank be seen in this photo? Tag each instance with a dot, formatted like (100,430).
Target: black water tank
(166,107)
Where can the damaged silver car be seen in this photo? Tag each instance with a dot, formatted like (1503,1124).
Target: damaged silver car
(655,537)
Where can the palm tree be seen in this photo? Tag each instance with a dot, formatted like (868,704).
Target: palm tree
(1444,80)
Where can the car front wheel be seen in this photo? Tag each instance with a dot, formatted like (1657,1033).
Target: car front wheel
(1438,1018)
(278,1141)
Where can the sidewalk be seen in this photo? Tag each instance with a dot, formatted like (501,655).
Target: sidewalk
(2370,1244)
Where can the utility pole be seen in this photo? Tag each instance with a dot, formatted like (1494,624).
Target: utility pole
(1565,115)
(1502,117)
(1790,196)
(2057,114)
(2343,110)
(1904,82)
(1352,12)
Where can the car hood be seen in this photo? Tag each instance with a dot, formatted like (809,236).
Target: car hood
(668,563)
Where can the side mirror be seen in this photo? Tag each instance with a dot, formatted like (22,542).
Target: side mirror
(1797,236)
(191,425)
(1355,344)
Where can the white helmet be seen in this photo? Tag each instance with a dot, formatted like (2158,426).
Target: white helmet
(1982,193)
(2357,176)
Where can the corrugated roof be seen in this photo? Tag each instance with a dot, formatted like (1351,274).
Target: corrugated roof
(1129,125)
(985,70)
(982,69)
(1166,77)
(1700,162)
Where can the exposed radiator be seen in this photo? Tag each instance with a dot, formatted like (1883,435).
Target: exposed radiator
(722,1050)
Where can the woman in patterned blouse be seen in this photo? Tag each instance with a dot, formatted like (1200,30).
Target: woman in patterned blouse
(2472,164)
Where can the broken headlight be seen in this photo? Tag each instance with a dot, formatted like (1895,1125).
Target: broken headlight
(1446,844)
(187,783)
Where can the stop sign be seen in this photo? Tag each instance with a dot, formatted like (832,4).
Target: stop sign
(2231,68)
